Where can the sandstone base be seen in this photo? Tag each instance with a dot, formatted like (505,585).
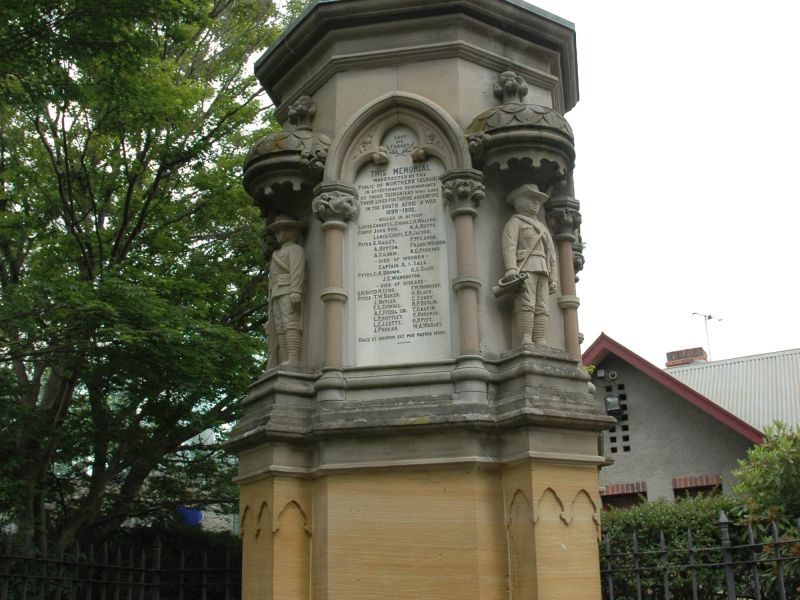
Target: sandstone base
(525,530)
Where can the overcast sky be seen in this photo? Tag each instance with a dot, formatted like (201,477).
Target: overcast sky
(687,134)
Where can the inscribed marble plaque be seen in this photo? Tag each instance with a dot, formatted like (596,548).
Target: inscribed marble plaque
(402,295)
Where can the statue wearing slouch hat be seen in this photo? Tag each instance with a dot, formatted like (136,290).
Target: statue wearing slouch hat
(530,265)
(286,289)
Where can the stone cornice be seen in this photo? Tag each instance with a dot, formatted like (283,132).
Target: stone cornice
(515,18)
(397,56)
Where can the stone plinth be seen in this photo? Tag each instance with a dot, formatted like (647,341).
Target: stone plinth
(427,432)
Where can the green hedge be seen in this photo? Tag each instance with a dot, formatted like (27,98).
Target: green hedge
(648,522)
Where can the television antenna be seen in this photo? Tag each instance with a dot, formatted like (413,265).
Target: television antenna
(706,319)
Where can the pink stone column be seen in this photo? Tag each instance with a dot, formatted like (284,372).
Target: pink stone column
(463,190)
(568,300)
(563,213)
(334,295)
(334,205)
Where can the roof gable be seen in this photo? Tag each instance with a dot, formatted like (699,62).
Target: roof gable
(604,345)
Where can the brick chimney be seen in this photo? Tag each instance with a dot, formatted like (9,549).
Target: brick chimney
(686,357)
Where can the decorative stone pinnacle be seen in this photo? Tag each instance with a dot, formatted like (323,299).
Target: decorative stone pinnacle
(510,87)
(335,205)
(302,112)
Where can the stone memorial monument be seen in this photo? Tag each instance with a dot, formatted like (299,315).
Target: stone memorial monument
(423,428)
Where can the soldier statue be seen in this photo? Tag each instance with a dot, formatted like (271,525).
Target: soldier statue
(286,288)
(530,265)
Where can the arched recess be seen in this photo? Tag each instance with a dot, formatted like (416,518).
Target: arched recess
(521,546)
(264,519)
(293,514)
(421,140)
(244,522)
(292,553)
(583,509)
(550,507)
(438,135)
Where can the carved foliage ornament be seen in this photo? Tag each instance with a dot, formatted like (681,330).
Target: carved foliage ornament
(335,205)
(564,217)
(564,220)
(510,87)
(460,191)
(419,151)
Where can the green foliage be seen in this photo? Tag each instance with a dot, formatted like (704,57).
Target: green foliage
(766,497)
(176,538)
(768,490)
(768,479)
(647,521)
(131,289)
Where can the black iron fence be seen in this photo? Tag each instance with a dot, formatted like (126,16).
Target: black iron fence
(106,573)
(753,563)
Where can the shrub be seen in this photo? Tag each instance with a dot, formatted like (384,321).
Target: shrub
(769,478)
(648,521)
(768,492)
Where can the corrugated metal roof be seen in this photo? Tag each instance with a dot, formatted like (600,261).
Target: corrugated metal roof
(758,389)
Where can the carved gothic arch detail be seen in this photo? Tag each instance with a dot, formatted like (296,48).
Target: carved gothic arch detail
(292,505)
(550,493)
(243,522)
(358,142)
(259,524)
(583,496)
(519,497)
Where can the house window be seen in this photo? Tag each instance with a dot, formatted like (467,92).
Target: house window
(694,485)
(623,495)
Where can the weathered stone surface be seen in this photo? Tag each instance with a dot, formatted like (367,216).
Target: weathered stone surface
(401,259)
(417,450)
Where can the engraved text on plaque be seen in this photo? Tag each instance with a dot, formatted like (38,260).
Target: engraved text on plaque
(402,295)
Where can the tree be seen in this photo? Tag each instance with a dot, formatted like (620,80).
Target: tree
(131,291)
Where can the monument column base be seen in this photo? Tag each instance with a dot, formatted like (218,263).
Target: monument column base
(419,450)
(459,530)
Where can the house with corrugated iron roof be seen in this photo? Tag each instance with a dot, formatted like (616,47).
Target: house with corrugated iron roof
(758,389)
(681,430)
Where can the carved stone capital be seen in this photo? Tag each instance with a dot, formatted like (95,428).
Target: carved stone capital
(463,191)
(564,217)
(335,202)
(565,222)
